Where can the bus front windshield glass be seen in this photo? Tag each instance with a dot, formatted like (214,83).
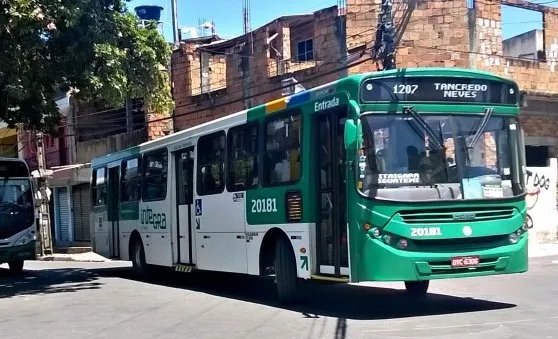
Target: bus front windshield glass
(16,205)
(417,157)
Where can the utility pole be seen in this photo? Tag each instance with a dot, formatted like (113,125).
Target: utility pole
(384,48)
(45,236)
(174,9)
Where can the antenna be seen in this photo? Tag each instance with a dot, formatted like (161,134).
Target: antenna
(246,15)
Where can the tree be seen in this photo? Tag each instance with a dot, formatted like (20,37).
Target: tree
(94,49)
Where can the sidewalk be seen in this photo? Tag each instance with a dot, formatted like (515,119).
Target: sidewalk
(82,257)
(543,250)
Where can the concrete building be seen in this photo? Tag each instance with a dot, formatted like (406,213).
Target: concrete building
(528,45)
(214,77)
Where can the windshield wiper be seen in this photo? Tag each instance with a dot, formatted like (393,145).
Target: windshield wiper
(422,123)
(480,130)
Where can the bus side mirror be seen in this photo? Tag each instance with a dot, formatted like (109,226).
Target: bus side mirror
(353,136)
(353,130)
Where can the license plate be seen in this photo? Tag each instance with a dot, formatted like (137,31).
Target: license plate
(465,261)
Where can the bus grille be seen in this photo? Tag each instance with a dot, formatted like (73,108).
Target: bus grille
(456,215)
(470,244)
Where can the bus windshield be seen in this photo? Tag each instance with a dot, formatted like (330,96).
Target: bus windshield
(416,157)
(16,206)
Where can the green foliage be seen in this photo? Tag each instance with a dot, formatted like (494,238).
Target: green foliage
(95,49)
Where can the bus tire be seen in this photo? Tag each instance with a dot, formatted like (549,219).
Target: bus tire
(285,270)
(138,258)
(417,288)
(16,267)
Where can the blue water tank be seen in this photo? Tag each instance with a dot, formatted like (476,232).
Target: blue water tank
(148,12)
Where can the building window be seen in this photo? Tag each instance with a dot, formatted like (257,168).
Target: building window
(131,180)
(243,158)
(155,171)
(305,50)
(99,189)
(211,164)
(537,156)
(282,150)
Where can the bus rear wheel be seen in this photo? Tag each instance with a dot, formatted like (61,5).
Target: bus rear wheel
(138,258)
(16,267)
(417,288)
(285,271)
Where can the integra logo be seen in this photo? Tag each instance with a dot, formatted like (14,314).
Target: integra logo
(326,104)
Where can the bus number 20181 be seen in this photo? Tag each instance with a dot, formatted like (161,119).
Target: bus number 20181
(264,205)
(425,231)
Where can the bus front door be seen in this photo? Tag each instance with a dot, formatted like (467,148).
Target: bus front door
(113,196)
(331,233)
(184,201)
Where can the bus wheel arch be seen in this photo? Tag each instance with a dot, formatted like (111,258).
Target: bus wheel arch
(267,250)
(277,251)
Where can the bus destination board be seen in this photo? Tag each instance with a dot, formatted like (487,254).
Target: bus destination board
(439,89)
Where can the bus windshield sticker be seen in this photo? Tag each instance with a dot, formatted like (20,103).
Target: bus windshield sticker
(238,197)
(398,178)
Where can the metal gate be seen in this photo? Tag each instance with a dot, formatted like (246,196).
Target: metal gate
(82,207)
(64,213)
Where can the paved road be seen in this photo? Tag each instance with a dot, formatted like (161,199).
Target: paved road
(102,300)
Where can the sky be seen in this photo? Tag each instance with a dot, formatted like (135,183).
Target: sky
(227,14)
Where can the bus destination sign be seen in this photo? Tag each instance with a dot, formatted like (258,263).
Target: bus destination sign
(439,89)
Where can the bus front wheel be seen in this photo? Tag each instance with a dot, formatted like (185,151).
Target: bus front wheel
(285,270)
(417,288)
(16,267)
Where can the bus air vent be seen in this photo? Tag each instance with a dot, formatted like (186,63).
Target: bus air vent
(449,215)
(294,206)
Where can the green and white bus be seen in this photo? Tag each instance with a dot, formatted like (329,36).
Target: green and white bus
(18,222)
(402,175)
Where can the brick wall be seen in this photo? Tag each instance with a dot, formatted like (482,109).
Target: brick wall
(254,77)
(534,76)
(433,33)
(443,33)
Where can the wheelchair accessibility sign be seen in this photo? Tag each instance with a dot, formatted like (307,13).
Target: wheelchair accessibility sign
(198,207)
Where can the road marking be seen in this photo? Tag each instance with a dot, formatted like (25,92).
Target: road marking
(466,325)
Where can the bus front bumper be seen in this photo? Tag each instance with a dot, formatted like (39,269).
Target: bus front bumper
(15,253)
(381,262)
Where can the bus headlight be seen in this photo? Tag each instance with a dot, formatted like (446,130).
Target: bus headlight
(402,244)
(375,232)
(26,238)
(387,239)
(514,238)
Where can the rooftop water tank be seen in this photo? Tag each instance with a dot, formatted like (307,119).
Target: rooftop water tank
(148,12)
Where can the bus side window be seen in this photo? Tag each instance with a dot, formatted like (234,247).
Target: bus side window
(130,180)
(99,187)
(282,150)
(242,164)
(211,162)
(155,169)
